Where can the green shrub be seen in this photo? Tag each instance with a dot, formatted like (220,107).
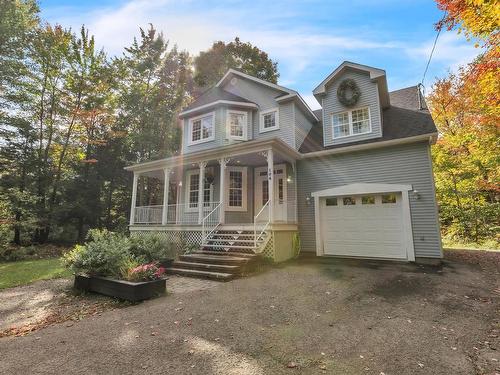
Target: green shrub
(151,247)
(104,254)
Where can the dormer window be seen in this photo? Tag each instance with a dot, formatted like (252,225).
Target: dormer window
(269,120)
(354,122)
(201,129)
(237,125)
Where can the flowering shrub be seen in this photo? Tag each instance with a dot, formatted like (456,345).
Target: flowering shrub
(145,272)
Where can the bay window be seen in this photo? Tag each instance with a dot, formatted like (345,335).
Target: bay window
(237,124)
(201,129)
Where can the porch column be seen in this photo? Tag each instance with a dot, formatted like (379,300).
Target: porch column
(270,178)
(166,189)
(201,189)
(134,198)
(295,212)
(222,190)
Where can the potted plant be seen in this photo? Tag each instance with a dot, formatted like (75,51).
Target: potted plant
(106,265)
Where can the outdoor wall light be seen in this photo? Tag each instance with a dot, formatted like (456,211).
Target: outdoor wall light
(289,179)
(416,194)
(308,200)
(180,183)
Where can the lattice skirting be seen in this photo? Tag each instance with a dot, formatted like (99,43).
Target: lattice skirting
(268,251)
(183,240)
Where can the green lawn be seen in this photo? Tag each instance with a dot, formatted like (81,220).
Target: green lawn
(27,271)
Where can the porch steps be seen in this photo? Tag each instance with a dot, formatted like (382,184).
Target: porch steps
(202,274)
(225,255)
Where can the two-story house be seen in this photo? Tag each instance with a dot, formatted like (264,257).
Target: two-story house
(259,169)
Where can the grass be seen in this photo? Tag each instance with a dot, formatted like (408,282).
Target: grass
(27,271)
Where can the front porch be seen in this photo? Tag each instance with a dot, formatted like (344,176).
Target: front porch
(230,188)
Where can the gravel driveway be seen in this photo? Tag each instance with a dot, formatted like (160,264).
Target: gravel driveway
(335,317)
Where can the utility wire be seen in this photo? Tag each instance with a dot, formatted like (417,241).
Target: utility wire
(432,52)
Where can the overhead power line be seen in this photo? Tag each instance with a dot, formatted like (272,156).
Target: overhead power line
(432,51)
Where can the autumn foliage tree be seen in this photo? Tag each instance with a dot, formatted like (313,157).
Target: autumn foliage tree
(466,108)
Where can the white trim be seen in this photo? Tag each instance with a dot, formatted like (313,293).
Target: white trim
(188,174)
(367,188)
(302,101)
(244,190)
(374,74)
(190,129)
(366,146)
(244,137)
(350,123)
(217,102)
(276,120)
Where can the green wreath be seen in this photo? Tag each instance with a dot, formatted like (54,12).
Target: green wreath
(345,86)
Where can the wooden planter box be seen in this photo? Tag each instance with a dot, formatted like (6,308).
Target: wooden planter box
(128,290)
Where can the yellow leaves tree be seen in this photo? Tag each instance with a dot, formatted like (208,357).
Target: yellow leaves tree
(466,109)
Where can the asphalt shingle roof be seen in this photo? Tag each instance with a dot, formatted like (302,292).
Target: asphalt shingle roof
(402,119)
(214,94)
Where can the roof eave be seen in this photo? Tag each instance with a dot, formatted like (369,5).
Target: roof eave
(218,102)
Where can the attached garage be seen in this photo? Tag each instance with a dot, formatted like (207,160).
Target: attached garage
(364,220)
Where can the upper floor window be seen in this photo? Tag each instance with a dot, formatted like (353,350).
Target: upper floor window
(237,124)
(269,120)
(201,129)
(352,122)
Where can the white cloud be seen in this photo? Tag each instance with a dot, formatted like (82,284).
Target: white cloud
(300,51)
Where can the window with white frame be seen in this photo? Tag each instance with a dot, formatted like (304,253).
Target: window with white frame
(201,129)
(352,122)
(237,124)
(269,120)
(236,194)
(193,182)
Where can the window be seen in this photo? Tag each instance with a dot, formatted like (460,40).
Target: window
(201,129)
(236,198)
(349,201)
(237,125)
(331,201)
(350,123)
(389,198)
(368,199)
(269,120)
(193,179)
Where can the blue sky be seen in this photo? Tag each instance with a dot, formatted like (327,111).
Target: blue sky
(308,39)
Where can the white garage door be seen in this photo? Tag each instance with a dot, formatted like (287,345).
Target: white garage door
(363,226)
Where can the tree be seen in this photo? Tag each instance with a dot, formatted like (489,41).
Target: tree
(212,64)
(466,109)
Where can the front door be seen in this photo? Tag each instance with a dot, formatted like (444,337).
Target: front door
(262,192)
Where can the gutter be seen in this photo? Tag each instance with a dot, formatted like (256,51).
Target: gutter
(430,137)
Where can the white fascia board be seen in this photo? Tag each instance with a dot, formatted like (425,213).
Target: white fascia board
(208,105)
(362,188)
(375,73)
(366,146)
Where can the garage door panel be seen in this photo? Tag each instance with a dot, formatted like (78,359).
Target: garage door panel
(371,230)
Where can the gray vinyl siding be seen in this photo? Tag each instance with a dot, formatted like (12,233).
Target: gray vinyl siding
(369,98)
(302,127)
(405,164)
(264,97)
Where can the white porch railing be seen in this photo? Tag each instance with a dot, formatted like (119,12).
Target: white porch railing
(181,214)
(148,214)
(210,223)
(263,213)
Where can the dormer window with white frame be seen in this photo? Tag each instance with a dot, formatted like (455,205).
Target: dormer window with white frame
(237,125)
(269,120)
(349,123)
(202,128)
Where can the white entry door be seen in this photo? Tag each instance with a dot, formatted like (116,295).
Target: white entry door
(262,192)
(369,225)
